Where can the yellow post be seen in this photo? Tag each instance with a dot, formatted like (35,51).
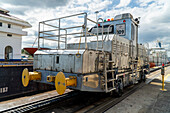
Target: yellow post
(163,73)
(162,82)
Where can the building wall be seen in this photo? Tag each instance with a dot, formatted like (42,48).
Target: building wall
(11,35)
(13,26)
(14,41)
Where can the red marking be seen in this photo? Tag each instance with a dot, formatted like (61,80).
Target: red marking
(151,64)
(33,50)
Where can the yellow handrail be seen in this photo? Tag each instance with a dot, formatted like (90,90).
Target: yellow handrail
(78,54)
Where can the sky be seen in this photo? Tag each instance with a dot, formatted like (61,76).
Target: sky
(154,15)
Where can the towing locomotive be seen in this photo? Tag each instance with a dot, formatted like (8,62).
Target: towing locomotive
(105,58)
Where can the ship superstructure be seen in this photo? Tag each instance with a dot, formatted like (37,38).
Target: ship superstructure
(158,55)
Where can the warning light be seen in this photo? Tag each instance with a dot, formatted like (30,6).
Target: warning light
(124,20)
(98,24)
(112,19)
(108,19)
(162,64)
(104,20)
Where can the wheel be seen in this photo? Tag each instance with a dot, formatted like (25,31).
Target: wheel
(141,75)
(119,88)
(144,77)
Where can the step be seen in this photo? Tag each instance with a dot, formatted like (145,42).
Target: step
(101,61)
(110,70)
(109,80)
(110,89)
(111,61)
(133,75)
(103,84)
(100,48)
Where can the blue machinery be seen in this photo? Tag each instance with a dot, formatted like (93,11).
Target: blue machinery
(101,59)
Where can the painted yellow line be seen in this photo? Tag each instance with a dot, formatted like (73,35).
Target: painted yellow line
(156,83)
(17,62)
(14,65)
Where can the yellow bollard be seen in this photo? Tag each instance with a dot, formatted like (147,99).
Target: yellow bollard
(162,82)
(163,73)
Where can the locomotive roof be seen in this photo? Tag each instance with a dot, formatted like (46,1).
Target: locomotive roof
(81,51)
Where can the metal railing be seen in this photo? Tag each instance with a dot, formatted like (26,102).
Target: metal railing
(49,34)
(55,34)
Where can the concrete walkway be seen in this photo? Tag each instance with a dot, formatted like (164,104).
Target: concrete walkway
(148,99)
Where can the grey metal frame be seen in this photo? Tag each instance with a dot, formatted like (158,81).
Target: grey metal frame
(58,28)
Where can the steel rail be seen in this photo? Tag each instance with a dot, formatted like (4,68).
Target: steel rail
(110,103)
(34,105)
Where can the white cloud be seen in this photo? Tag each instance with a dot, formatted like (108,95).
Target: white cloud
(154,24)
(144,2)
(123,3)
(98,5)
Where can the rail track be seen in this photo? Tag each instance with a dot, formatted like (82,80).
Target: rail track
(76,101)
(38,104)
(104,106)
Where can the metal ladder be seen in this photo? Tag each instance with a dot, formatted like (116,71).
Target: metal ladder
(134,62)
(111,71)
(106,72)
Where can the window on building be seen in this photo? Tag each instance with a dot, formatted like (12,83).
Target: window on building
(9,25)
(10,35)
(8,53)
(0,24)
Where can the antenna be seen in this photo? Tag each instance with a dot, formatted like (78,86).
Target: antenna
(96,14)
